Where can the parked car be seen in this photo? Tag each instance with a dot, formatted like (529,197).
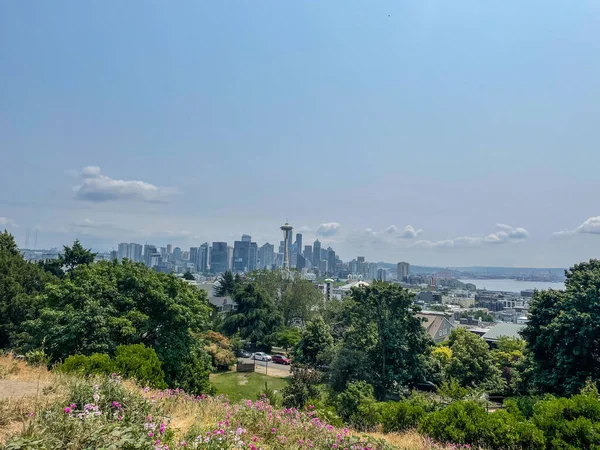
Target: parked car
(280,359)
(260,356)
(426,386)
(244,354)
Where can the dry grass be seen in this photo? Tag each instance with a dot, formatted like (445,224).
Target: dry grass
(409,440)
(14,368)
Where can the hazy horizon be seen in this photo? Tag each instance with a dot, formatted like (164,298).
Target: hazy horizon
(442,134)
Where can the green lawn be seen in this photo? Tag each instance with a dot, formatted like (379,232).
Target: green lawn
(239,386)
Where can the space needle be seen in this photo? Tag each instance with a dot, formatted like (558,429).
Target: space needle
(287,239)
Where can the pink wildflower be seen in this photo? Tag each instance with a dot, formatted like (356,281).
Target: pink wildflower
(150,434)
(67,410)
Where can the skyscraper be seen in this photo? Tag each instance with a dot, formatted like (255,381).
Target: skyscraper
(252,256)
(195,257)
(204,257)
(331,263)
(403,268)
(241,256)
(382,274)
(298,242)
(300,262)
(123,251)
(317,254)
(219,259)
(308,255)
(169,249)
(135,252)
(266,256)
(149,251)
(287,239)
(177,254)
(246,238)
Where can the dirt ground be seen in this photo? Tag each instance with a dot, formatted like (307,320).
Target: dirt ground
(17,389)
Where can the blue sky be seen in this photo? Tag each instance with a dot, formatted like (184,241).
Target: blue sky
(412,130)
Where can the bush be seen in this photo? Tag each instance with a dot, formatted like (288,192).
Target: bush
(141,363)
(358,407)
(466,422)
(302,387)
(406,414)
(37,358)
(95,364)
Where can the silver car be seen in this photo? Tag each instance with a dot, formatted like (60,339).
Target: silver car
(260,356)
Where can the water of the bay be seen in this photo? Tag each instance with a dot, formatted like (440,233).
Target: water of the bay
(507,285)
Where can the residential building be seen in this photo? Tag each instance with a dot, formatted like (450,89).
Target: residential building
(123,251)
(219,258)
(382,274)
(135,252)
(317,254)
(403,269)
(437,326)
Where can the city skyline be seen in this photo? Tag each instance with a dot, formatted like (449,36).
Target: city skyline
(425,133)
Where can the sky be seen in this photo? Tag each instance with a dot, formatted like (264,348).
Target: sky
(440,133)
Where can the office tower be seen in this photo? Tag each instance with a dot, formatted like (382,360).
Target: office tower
(308,256)
(195,257)
(114,255)
(300,262)
(253,257)
(219,257)
(298,243)
(123,251)
(371,271)
(149,250)
(323,267)
(169,249)
(331,260)
(402,271)
(246,238)
(229,257)
(204,257)
(287,239)
(241,256)
(267,256)
(135,252)
(317,254)
(381,274)
(177,254)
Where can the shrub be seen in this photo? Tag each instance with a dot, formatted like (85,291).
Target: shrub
(141,363)
(37,358)
(219,349)
(302,387)
(466,422)
(401,416)
(357,406)
(95,364)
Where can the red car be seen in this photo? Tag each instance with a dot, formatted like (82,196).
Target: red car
(280,359)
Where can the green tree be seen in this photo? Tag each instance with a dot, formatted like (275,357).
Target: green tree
(287,338)
(21,283)
(255,318)
(509,358)
(303,386)
(75,256)
(382,324)
(299,300)
(98,307)
(471,363)
(563,332)
(315,344)
(226,284)
(188,276)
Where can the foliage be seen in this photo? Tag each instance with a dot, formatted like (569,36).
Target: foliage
(451,390)
(299,300)
(68,260)
(20,284)
(466,422)
(287,338)
(315,343)
(96,308)
(472,363)
(188,276)
(219,349)
(226,285)
(563,331)
(401,416)
(37,358)
(302,387)
(358,407)
(348,366)
(509,358)
(382,326)
(255,318)
(131,361)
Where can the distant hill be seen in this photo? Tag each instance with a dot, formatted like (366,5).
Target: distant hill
(488,270)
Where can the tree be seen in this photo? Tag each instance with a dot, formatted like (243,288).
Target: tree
(219,348)
(75,256)
(20,284)
(188,276)
(563,332)
(287,338)
(316,342)
(303,386)
(255,318)
(226,284)
(509,358)
(98,307)
(471,363)
(382,324)
(299,300)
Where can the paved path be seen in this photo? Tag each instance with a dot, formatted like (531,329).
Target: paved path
(17,389)
(271,369)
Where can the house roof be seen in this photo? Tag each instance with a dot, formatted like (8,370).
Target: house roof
(504,329)
(432,323)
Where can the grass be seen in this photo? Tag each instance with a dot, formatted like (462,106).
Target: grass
(241,386)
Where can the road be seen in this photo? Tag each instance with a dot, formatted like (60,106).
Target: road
(272,369)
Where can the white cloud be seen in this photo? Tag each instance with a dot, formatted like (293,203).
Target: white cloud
(409,232)
(328,229)
(101,188)
(590,226)
(507,235)
(7,222)
(303,229)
